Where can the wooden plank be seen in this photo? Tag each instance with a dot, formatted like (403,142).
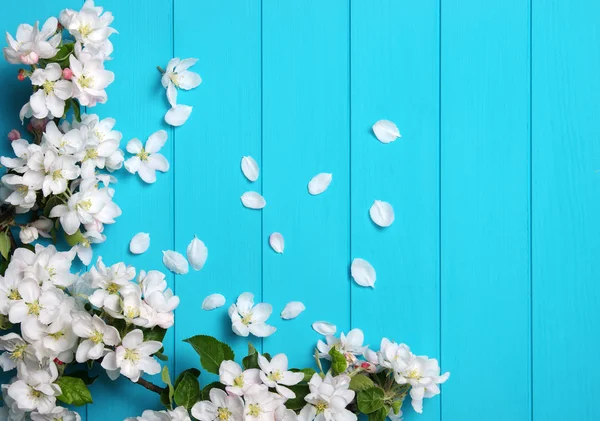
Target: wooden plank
(224,126)
(485,247)
(566,205)
(395,76)
(305,132)
(136,101)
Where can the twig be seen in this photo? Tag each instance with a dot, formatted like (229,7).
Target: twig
(150,386)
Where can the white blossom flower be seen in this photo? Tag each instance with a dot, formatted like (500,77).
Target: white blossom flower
(133,357)
(159,298)
(90,80)
(83,249)
(10,408)
(31,43)
(394,356)
(31,232)
(53,91)
(96,334)
(177,75)
(23,192)
(248,318)
(90,27)
(109,281)
(44,265)
(275,374)
(350,345)
(328,399)
(35,389)
(57,414)
(16,350)
(220,407)
(178,414)
(37,308)
(51,172)
(67,143)
(261,404)
(147,160)
(236,380)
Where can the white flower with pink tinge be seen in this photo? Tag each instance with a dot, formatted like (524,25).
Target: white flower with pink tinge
(32,44)
(248,318)
(275,374)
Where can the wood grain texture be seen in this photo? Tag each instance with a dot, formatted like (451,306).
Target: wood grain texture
(395,76)
(485,239)
(566,207)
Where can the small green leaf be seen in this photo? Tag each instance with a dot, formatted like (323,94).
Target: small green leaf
(187,392)
(251,349)
(251,361)
(161,356)
(370,400)
(74,391)
(5,324)
(338,361)
(64,52)
(301,390)
(212,352)
(379,415)
(76,110)
(308,373)
(4,244)
(166,378)
(397,405)
(157,333)
(193,371)
(361,382)
(75,238)
(209,387)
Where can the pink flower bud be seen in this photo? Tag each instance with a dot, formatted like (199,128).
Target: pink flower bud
(368,367)
(30,58)
(58,362)
(67,73)
(39,124)
(21,75)
(14,135)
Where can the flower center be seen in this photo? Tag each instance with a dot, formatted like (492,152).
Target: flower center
(99,135)
(35,394)
(223,414)
(254,410)
(174,78)
(51,271)
(113,288)
(85,242)
(143,155)
(132,355)
(238,381)
(131,312)
(275,375)
(14,295)
(91,154)
(85,30)
(247,319)
(34,308)
(57,335)
(23,190)
(57,175)
(84,205)
(85,81)
(97,337)
(321,407)
(48,87)
(414,374)
(17,354)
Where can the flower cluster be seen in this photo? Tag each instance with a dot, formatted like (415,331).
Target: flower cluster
(67,318)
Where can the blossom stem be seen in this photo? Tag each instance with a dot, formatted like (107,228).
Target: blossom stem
(160,69)
(150,386)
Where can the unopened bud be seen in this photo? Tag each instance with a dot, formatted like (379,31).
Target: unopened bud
(14,135)
(58,362)
(368,367)
(67,74)
(21,75)
(30,58)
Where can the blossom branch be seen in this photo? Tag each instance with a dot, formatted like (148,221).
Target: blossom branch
(150,386)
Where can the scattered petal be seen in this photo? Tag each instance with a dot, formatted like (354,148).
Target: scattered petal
(253,200)
(213,301)
(324,328)
(178,115)
(277,243)
(197,253)
(139,243)
(292,310)
(386,131)
(319,183)
(175,262)
(250,168)
(363,273)
(382,213)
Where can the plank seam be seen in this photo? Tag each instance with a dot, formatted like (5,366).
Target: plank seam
(531,203)
(174,192)
(440,186)
(350,148)
(262,164)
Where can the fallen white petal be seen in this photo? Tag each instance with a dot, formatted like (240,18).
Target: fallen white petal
(386,131)
(178,115)
(324,328)
(139,243)
(363,273)
(319,183)
(277,243)
(197,253)
(382,213)
(250,168)
(175,262)
(292,310)
(213,301)
(253,200)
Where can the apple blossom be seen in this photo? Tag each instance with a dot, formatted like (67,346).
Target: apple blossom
(236,380)
(275,374)
(147,160)
(220,407)
(49,99)
(33,43)
(133,357)
(248,318)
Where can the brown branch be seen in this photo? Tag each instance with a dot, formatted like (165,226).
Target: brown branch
(150,386)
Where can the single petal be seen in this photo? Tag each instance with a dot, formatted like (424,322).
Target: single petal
(134,146)
(250,168)
(382,213)
(253,200)
(197,253)
(277,243)
(139,243)
(175,262)
(386,131)
(178,115)
(324,328)
(213,301)
(363,273)
(156,141)
(146,173)
(172,94)
(261,330)
(292,310)
(319,183)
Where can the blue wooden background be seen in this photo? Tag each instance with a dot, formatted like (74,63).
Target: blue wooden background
(493,263)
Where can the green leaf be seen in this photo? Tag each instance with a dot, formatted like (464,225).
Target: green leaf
(187,392)
(74,239)
(361,382)
(50,203)
(4,244)
(212,352)
(166,378)
(251,361)
(338,361)
(74,391)
(251,349)
(379,415)
(308,373)
(301,390)
(397,405)
(193,371)
(5,324)
(370,400)
(64,52)
(157,333)
(209,387)
(76,110)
